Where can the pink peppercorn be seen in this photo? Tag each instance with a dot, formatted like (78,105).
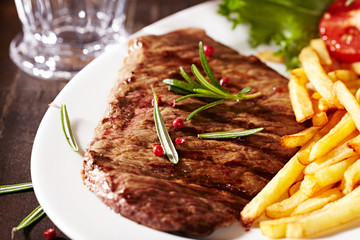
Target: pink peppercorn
(158,100)
(208,50)
(178,123)
(50,233)
(179,140)
(224,81)
(158,150)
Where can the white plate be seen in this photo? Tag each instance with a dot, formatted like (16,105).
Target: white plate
(55,168)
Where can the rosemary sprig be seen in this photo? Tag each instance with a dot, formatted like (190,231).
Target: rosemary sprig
(203,88)
(15,187)
(229,134)
(163,135)
(66,126)
(29,219)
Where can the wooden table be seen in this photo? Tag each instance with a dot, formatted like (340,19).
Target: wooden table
(23,102)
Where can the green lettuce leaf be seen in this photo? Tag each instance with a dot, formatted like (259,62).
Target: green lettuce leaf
(288,23)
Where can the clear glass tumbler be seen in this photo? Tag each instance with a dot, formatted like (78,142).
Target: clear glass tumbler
(60,37)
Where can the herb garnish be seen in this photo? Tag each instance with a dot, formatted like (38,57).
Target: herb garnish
(29,219)
(163,134)
(204,88)
(229,134)
(289,24)
(15,187)
(66,126)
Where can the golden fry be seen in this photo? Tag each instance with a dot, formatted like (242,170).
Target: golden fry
(342,75)
(316,96)
(276,228)
(269,55)
(337,154)
(317,76)
(300,138)
(303,154)
(320,117)
(294,188)
(300,99)
(337,134)
(309,185)
(356,67)
(333,173)
(351,177)
(319,46)
(285,207)
(339,212)
(348,100)
(323,105)
(317,201)
(354,144)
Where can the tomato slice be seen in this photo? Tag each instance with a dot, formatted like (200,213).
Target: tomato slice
(340,29)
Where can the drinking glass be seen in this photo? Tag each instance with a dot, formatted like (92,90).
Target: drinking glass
(60,37)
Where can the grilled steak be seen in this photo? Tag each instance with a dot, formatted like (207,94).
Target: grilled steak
(214,179)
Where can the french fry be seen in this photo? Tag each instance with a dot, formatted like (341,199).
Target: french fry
(348,100)
(353,86)
(309,186)
(337,134)
(317,76)
(351,177)
(317,201)
(277,228)
(356,67)
(300,99)
(354,144)
(337,154)
(333,173)
(320,117)
(357,95)
(319,46)
(294,188)
(316,96)
(303,154)
(300,74)
(344,75)
(285,207)
(270,55)
(277,186)
(323,105)
(339,212)
(300,138)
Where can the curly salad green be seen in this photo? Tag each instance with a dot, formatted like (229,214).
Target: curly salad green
(288,23)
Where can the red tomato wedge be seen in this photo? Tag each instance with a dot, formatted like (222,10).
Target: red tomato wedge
(340,30)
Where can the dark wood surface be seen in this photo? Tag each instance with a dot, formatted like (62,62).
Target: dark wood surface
(23,102)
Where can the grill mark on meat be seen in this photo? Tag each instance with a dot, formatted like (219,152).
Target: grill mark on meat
(214,179)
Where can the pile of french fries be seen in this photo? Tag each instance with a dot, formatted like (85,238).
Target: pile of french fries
(317,189)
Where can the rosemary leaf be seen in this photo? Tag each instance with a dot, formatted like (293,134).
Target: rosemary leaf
(29,219)
(207,69)
(229,134)
(189,79)
(15,187)
(245,90)
(192,114)
(178,90)
(205,82)
(199,95)
(180,84)
(66,126)
(163,135)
